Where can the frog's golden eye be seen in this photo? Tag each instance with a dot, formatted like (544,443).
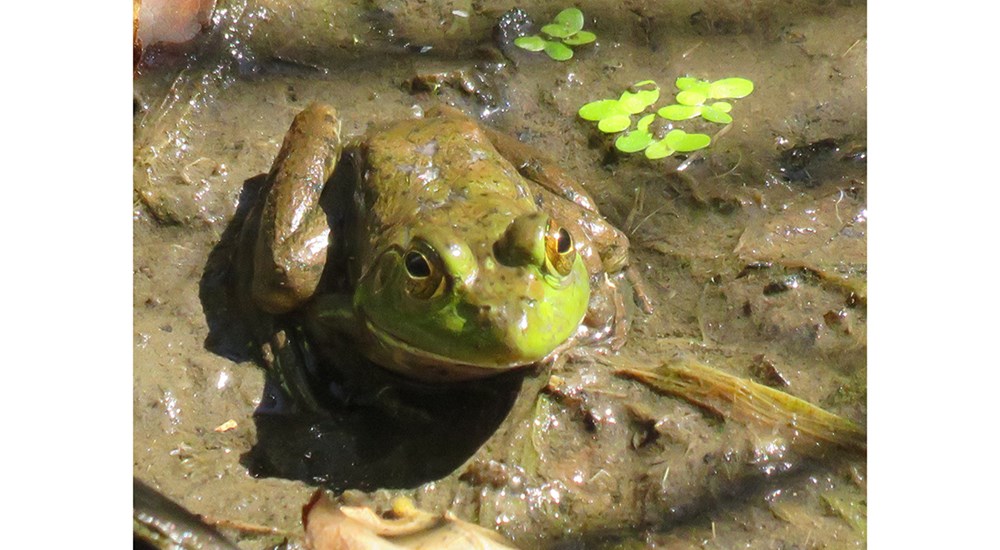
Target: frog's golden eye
(425,273)
(560,253)
(417,265)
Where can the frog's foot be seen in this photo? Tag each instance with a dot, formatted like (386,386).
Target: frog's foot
(616,333)
(290,365)
(619,328)
(605,326)
(388,401)
(639,292)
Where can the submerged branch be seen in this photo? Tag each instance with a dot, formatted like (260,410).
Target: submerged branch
(746,401)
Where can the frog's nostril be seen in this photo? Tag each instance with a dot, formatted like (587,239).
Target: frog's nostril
(491,316)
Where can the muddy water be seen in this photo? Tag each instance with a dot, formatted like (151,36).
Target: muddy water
(754,255)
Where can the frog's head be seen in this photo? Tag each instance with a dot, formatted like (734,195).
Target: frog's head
(444,308)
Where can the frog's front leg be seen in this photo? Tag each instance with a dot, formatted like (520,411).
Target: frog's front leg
(535,166)
(294,234)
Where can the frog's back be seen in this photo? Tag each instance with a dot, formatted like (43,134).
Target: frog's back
(420,165)
(439,170)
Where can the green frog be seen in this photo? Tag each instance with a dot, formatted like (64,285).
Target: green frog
(441,250)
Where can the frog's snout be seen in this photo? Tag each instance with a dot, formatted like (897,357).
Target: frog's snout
(489,307)
(490,316)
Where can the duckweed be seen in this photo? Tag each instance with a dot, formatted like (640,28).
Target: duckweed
(631,102)
(565,30)
(694,93)
(638,139)
(677,141)
(615,115)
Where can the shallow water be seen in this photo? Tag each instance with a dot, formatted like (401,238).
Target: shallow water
(754,254)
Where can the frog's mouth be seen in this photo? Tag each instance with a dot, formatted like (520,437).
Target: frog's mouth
(402,356)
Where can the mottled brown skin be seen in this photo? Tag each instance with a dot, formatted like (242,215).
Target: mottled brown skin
(479,198)
(291,245)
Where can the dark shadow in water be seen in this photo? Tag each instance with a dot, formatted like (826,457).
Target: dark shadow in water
(372,429)
(228,333)
(417,435)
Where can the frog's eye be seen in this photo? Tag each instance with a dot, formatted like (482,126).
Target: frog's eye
(417,265)
(560,253)
(425,274)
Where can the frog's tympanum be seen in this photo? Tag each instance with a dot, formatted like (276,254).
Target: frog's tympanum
(442,250)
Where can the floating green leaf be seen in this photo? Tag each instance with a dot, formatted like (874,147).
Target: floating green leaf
(597,110)
(685,82)
(723,106)
(683,142)
(632,104)
(558,51)
(679,112)
(614,123)
(730,87)
(644,122)
(571,19)
(712,114)
(688,84)
(634,141)
(659,150)
(580,38)
(691,97)
(530,43)
(557,31)
(636,102)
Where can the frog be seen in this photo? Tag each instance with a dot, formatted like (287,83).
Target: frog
(440,249)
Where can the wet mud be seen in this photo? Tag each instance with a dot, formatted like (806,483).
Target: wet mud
(753,252)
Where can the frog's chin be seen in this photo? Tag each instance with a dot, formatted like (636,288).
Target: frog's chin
(401,356)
